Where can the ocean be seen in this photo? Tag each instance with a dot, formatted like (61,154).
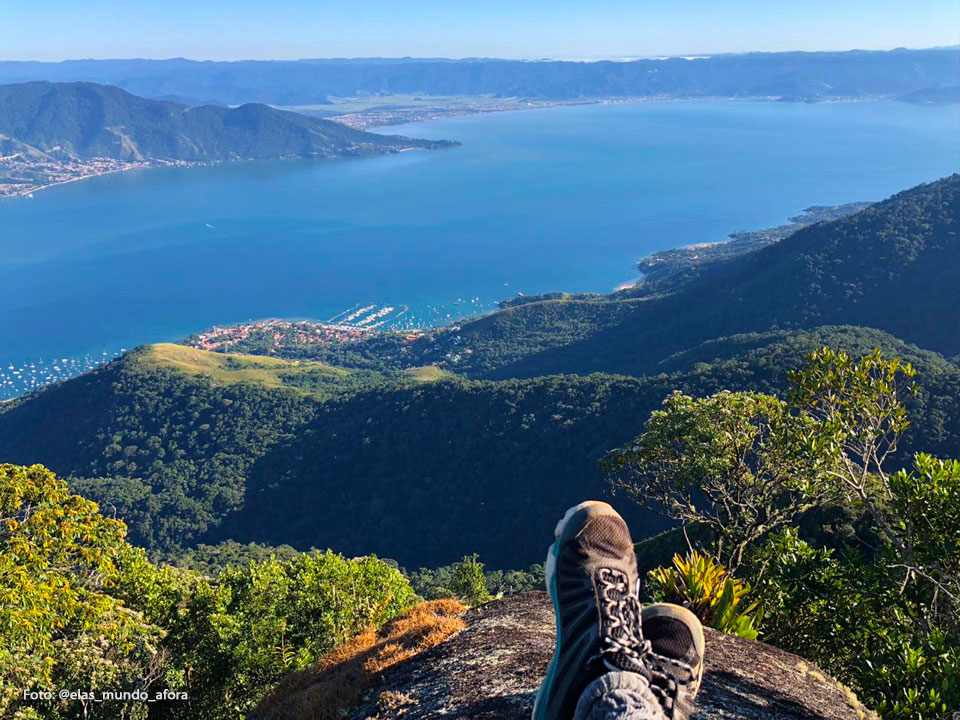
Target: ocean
(559,199)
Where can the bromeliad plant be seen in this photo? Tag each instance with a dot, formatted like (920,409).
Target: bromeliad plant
(700,583)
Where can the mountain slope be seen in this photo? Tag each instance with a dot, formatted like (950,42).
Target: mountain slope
(894,266)
(421,472)
(90,120)
(947,94)
(191,446)
(789,75)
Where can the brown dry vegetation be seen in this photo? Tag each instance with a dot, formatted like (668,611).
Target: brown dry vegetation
(340,679)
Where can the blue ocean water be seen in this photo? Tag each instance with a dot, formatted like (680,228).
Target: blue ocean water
(558,199)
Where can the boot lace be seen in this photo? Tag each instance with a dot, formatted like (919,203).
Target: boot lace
(621,638)
(622,646)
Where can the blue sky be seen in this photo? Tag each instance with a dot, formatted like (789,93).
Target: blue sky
(287,29)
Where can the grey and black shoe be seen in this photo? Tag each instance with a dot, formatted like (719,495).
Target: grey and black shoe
(592,580)
(672,652)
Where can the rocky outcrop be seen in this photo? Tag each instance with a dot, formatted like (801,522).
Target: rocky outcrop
(492,669)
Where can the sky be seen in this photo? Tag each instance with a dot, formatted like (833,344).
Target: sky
(560,29)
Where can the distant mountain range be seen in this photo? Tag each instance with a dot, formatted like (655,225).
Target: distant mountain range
(361,448)
(87,120)
(790,76)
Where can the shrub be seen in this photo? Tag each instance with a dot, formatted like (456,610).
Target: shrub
(854,617)
(456,580)
(238,636)
(469,582)
(80,608)
(59,625)
(737,465)
(338,680)
(703,585)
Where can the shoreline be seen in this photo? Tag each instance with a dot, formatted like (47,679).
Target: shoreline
(28,193)
(218,337)
(136,165)
(357,120)
(368,120)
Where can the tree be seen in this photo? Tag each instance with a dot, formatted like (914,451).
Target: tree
(858,403)
(82,609)
(926,509)
(879,611)
(59,626)
(852,616)
(469,582)
(738,464)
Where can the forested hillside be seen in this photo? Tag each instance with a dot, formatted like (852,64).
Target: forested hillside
(88,120)
(423,472)
(360,448)
(894,266)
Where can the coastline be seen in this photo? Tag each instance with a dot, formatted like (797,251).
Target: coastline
(377,116)
(153,164)
(122,167)
(29,192)
(625,283)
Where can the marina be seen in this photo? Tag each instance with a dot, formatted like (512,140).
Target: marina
(354,323)
(20,379)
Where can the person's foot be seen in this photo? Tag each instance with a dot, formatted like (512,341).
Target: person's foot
(592,580)
(673,653)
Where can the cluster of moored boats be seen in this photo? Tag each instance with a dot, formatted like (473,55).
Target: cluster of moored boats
(20,378)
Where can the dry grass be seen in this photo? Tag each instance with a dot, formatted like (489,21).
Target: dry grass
(230,368)
(340,679)
(426,373)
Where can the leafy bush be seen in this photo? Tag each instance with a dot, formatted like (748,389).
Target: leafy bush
(736,464)
(925,504)
(469,582)
(232,639)
(881,610)
(852,616)
(459,581)
(59,625)
(698,582)
(81,608)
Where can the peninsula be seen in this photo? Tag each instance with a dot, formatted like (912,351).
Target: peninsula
(51,133)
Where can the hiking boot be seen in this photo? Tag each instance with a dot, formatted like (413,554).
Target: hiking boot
(592,580)
(673,655)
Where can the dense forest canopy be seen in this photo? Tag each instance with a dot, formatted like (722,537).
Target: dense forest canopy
(187,458)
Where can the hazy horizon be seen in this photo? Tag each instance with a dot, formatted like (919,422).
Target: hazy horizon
(217,30)
(444,58)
